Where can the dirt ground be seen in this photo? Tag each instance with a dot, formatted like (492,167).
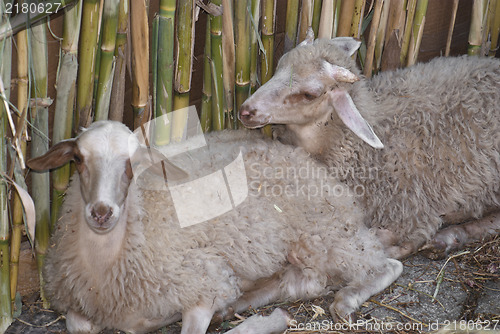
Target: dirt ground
(459,294)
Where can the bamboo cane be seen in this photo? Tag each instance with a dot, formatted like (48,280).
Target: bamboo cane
(118,90)
(139,35)
(345,18)
(206,99)
(242,38)
(39,145)
(163,67)
(495,30)
(410,15)
(476,27)
(218,121)
(417,31)
(87,58)
(107,58)
(336,18)
(377,12)
(5,284)
(63,116)
(183,68)
(357,19)
(305,19)
(451,27)
(325,28)
(228,59)
(254,77)
(381,32)
(291,24)
(316,15)
(267,57)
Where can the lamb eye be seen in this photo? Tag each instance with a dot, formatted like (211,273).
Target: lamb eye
(77,159)
(309,96)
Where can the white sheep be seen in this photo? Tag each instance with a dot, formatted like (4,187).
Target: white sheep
(436,158)
(120,259)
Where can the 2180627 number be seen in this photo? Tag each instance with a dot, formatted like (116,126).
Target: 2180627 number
(32,8)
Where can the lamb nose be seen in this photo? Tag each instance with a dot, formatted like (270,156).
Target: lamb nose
(101,213)
(246,112)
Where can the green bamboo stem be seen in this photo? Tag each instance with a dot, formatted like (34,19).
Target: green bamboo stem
(65,99)
(5,284)
(291,24)
(267,57)
(316,16)
(345,17)
(228,60)
(87,58)
(39,145)
(410,15)
(381,32)
(139,35)
(495,30)
(206,99)
(118,91)
(254,77)
(325,28)
(163,70)
(218,121)
(305,19)
(417,31)
(183,67)
(242,38)
(107,58)
(476,27)
(372,38)
(357,18)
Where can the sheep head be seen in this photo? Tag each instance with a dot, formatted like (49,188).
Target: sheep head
(310,82)
(105,155)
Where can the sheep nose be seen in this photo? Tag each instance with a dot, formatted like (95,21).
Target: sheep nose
(246,113)
(101,213)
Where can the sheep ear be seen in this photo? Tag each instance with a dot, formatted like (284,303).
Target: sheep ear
(152,160)
(58,155)
(309,37)
(347,44)
(349,114)
(339,74)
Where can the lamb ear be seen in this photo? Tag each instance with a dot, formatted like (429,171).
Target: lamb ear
(349,114)
(58,155)
(347,44)
(309,37)
(152,160)
(340,74)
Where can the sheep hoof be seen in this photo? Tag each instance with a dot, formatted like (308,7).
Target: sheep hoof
(340,314)
(445,241)
(222,316)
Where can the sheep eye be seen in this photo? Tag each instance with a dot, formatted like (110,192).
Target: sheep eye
(77,159)
(309,96)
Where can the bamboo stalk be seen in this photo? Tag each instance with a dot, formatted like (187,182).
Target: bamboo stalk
(451,27)
(139,34)
(305,19)
(267,57)
(495,31)
(291,24)
(254,77)
(163,67)
(377,12)
(396,20)
(381,32)
(118,90)
(316,15)
(218,121)
(39,145)
(476,27)
(417,31)
(325,28)
(87,57)
(5,284)
(336,19)
(229,62)
(63,116)
(357,18)
(206,99)
(410,15)
(107,58)
(345,18)
(183,67)
(242,38)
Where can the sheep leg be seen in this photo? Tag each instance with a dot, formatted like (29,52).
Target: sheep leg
(76,323)
(196,320)
(455,237)
(276,322)
(349,299)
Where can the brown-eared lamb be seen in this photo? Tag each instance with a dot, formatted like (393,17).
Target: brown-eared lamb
(433,156)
